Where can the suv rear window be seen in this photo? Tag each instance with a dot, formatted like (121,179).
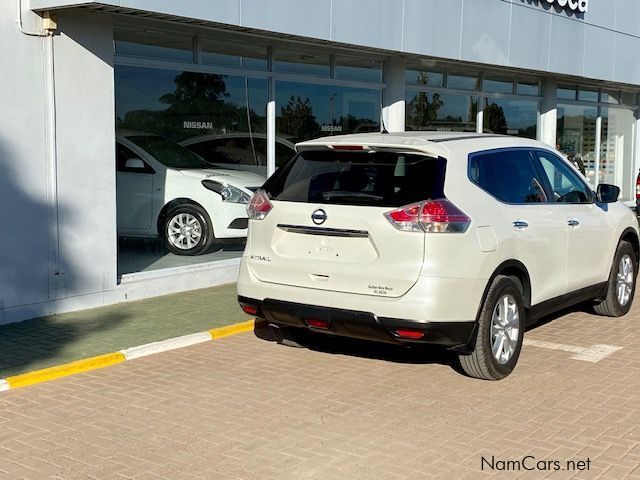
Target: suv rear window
(382,179)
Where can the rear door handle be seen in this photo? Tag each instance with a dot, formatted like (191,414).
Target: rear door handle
(520,224)
(573,222)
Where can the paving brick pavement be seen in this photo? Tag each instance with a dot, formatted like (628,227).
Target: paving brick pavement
(245,407)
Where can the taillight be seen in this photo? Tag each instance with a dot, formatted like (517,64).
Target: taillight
(259,206)
(432,216)
(406,218)
(638,187)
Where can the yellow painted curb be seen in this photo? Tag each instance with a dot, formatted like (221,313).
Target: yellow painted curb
(65,370)
(232,329)
(101,361)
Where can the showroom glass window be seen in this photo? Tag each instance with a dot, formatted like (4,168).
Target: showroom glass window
(576,136)
(510,107)
(220,115)
(187,106)
(450,101)
(319,94)
(433,101)
(596,130)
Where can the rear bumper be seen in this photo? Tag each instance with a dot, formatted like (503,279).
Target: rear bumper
(431,299)
(362,325)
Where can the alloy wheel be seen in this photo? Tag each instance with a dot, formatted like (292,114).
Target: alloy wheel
(184,231)
(505,328)
(624,286)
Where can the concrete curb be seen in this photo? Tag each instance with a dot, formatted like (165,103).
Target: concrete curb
(108,359)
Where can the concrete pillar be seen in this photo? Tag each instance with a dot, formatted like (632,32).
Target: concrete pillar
(548,126)
(393,97)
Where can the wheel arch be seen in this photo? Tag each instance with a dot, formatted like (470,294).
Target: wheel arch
(511,268)
(176,202)
(631,236)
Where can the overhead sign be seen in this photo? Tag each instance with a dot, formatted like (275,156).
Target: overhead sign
(581,6)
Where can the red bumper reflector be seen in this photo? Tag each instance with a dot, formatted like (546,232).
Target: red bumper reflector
(315,323)
(407,333)
(249,310)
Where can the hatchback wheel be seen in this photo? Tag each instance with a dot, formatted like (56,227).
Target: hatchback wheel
(187,230)
(500,332)
(621,283)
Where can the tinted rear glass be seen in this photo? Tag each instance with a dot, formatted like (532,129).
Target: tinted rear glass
(509,175)
(168,153)
(381,179)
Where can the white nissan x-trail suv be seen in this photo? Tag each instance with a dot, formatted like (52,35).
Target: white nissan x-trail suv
(453,239)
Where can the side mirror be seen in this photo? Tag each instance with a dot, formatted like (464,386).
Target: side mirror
(607,193)
(134,164)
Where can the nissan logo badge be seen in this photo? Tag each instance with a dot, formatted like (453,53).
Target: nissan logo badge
(319,216)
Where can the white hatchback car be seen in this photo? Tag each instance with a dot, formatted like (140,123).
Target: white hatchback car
(453,239)
(167,191)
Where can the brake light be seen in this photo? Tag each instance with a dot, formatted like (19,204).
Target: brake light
(259,206)
(638,187)
(406,218)
(432,216)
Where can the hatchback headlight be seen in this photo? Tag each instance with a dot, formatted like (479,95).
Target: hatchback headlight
(229,193)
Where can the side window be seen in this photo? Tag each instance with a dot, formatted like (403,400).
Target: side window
(563,184)
(128,161)
(508,175)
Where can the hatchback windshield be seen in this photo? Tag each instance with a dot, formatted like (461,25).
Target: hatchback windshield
(382,179)
(168,153)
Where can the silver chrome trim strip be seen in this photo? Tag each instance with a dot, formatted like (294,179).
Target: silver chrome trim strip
(330,232)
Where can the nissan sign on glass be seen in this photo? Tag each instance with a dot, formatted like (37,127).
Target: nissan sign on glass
(581,6)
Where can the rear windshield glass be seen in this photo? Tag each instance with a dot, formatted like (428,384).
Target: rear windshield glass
(168,153)
(382,179)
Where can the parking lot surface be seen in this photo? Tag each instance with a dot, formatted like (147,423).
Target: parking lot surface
(246,407)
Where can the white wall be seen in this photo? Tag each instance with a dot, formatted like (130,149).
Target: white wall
(24,232)
(34,279)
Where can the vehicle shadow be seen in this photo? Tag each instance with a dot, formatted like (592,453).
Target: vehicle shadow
(37,267)
(336,345)
(48,341)
(584,307)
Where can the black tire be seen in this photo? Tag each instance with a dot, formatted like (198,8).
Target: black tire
(611,305)
(482,363)
(289,336)
(202,224)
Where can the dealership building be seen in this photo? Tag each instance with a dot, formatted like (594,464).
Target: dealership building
(241,81)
